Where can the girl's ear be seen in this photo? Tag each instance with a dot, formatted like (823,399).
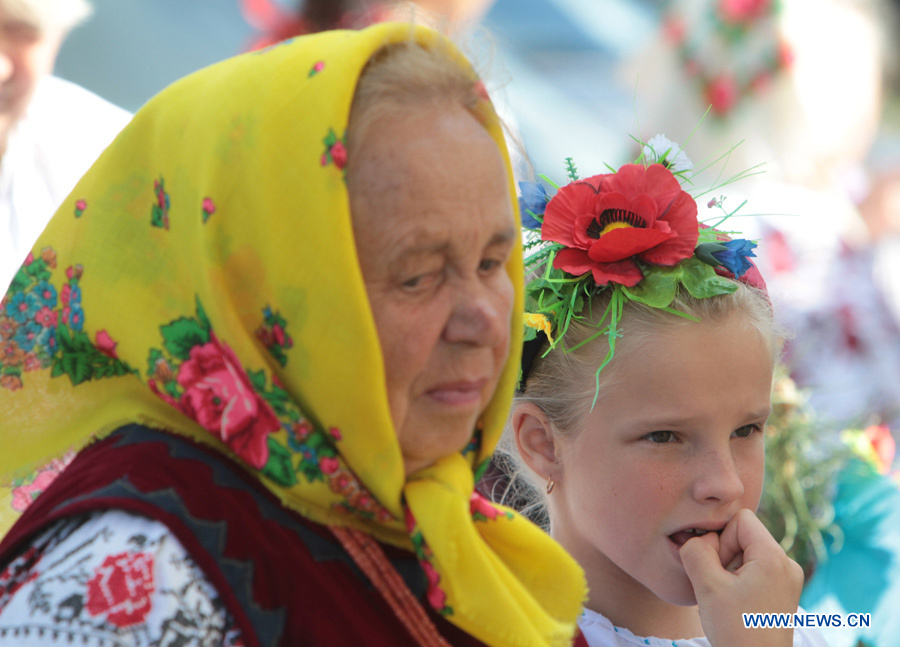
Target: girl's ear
(535,441)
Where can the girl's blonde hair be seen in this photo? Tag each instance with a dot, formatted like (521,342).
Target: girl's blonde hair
(562,384)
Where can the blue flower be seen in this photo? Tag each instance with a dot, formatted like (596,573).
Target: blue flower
(76,316)
(734,257)
(26,336)
(75,296)
(22,306)
(46,293)
(48,339)
(534,199)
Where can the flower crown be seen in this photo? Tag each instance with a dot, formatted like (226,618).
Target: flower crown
(634,232)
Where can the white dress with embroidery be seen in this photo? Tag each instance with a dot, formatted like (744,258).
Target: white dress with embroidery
(110,578)
(600,632)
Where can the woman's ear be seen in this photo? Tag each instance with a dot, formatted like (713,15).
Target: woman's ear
(535,441)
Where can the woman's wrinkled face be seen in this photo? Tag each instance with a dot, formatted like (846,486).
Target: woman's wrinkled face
(434,227)
(673,450)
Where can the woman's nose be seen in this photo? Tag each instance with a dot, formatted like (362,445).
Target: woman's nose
(480,317)
(717,478)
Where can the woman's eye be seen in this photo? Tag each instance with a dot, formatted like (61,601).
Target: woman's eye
(660,437)
(420,282)
(746,431)
(488,264)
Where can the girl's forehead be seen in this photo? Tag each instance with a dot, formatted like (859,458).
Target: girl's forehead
(691,373)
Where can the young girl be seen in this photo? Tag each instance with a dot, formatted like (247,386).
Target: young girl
(642,412)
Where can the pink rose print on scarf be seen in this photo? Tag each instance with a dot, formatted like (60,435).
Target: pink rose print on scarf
(208,208)
(121,588)
(159,212)
(105,344)
(204,379)
(317,67)
(335,150)
(218,394)
(437,597)
(80,206)
(483,510)
(25,491)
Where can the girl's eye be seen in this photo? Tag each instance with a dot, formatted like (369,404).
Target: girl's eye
(746,431)
(660,437)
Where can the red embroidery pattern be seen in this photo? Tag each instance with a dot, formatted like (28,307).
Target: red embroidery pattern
(121,588)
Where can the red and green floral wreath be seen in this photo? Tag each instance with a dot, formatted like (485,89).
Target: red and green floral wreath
(635,232)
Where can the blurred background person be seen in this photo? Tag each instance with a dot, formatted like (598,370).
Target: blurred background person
(51,130)
(808,111)
(279,21)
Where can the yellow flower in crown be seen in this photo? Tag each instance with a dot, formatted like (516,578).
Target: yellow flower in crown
(539,323)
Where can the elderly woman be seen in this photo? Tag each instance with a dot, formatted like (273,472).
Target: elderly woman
(272,324)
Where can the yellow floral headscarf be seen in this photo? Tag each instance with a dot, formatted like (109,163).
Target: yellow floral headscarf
(202,277)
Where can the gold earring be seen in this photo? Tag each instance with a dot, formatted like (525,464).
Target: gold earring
(550,484)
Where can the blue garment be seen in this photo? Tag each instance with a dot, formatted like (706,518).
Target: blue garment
(862,573)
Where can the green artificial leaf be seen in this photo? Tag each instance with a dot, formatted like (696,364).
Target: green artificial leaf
(658,287)
(701,280)
(530,333)
(279,467)
(183,334)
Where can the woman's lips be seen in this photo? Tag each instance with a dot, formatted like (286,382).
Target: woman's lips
(462,393)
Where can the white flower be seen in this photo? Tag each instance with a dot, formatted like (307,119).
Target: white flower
(663,150)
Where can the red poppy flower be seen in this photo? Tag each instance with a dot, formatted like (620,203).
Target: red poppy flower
(608,222)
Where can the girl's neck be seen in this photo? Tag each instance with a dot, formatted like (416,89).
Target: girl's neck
(629,604)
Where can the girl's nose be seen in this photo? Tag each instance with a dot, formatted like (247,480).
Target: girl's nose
(718,479)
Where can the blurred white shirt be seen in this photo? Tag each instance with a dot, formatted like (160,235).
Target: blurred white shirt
(64,131)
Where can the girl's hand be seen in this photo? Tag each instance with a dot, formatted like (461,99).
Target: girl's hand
(743,570)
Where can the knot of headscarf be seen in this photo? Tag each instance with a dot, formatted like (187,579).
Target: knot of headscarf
(202,277)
